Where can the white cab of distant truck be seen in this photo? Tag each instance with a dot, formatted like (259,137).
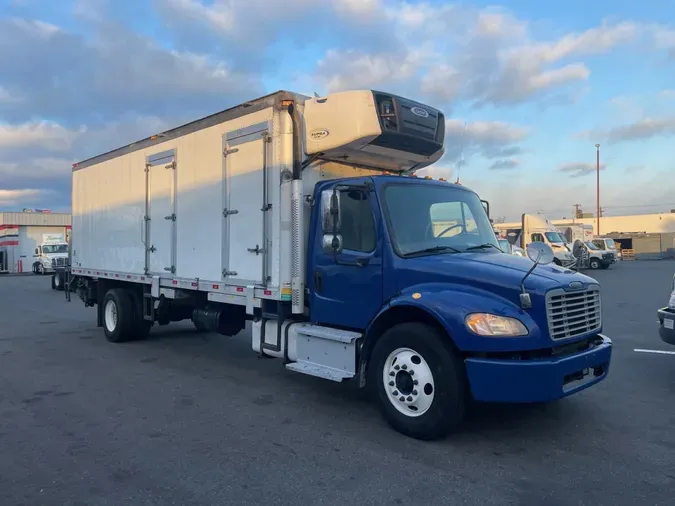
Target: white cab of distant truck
(50,253)
(537,228)
(607,244)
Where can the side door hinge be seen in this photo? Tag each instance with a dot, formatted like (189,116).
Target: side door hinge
(257,250)
(230,151)
(227,273)
(152,249)
(171,217)
(171,269)
(172,165)
(227,212)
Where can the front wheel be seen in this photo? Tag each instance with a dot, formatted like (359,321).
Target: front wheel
(595,263)
(419,381)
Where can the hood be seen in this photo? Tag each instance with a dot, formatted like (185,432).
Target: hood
(493,272)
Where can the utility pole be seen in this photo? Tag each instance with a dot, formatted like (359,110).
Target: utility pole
(578,213)
(597,195)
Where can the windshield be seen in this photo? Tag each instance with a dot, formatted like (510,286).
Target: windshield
(591,245)
(503,244)
(555,237)
(449,219)
(610,243)
(55,248)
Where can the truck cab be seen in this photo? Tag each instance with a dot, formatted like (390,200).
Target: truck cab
(537,228)
(51,253)
(608,245)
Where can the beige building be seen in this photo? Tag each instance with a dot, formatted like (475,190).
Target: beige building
(646,223)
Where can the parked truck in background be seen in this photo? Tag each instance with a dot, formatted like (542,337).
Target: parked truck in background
(537,228)
(303,216)
(666,316)
(607,244)
(52,252)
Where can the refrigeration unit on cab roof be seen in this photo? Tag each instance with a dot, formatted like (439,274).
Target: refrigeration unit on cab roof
(374,129)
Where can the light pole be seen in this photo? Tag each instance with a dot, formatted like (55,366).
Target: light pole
(597,195)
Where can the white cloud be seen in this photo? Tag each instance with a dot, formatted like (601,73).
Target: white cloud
(17,197)
(490,139)
(38,168)
(579,169)
(42,134)
(642,129)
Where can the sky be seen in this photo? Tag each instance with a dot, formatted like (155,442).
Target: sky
(528,87)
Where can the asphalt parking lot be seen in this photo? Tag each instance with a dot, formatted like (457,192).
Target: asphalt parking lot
(182,419)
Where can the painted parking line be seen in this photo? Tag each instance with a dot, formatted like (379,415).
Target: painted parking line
(658,352)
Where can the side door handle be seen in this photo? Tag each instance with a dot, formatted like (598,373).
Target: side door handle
(362,261)
(318,281)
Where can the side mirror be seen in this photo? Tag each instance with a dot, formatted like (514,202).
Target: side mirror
(332,244)
(540,253)
(330,212)
(486,206)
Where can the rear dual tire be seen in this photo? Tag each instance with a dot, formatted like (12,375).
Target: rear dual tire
(418,381)
(122,318)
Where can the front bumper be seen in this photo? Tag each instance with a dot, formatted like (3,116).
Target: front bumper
(667,325)
(538,380)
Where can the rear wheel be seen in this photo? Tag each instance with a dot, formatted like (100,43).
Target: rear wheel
(118,316)
(418,380)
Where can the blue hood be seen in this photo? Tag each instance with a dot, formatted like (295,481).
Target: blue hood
(493,272)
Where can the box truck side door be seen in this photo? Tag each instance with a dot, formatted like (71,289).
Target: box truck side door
(160,211)
(245,203)
(346,289)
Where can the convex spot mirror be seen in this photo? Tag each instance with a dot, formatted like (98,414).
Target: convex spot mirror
(540,253)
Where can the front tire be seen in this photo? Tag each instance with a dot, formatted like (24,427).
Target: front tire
(419,381)
(595,264)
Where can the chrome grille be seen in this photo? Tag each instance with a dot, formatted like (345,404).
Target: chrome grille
(58,261)
(571,314)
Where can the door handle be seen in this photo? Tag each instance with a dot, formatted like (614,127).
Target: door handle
(318,281)
(363,261)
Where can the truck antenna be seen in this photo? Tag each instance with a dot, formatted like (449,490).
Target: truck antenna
(461,153)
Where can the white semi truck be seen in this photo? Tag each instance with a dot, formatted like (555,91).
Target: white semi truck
(303,216)
(51,253)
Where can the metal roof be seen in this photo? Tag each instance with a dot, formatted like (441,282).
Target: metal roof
(36,219)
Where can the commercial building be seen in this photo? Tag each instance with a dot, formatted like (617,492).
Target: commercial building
(22,232)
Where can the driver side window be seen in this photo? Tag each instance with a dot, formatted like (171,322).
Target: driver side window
(451,218)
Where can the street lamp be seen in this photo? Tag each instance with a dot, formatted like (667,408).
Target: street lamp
(597,195)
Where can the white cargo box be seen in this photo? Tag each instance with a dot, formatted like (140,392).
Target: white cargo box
(199,204)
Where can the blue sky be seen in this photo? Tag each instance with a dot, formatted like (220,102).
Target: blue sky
(528,87)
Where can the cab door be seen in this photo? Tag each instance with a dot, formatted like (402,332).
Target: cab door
(346,288)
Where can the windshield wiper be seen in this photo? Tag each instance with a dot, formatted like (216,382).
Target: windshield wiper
(483,246)
(433,249)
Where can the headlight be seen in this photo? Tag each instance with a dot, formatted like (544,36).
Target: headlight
(490,325)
